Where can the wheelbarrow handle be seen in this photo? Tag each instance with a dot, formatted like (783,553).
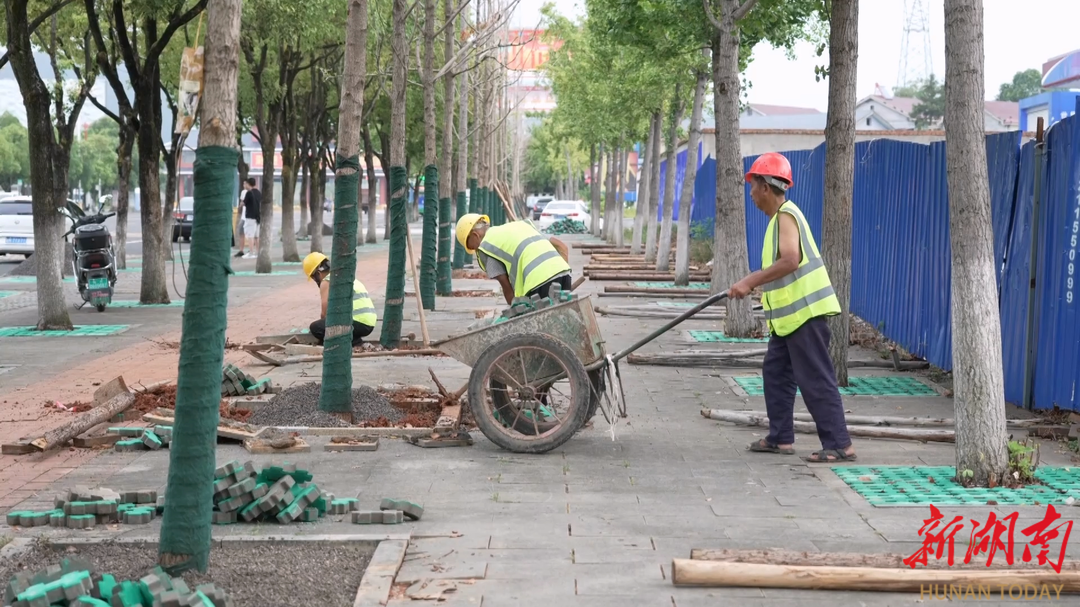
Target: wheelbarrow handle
(713,299)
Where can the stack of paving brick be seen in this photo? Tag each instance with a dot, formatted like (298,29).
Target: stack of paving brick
(75,584)
(525,305)
(83,508)
(235,382)
(279,493)
(142,439)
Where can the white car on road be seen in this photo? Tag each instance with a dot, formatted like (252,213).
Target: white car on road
(557,210)
(16,226)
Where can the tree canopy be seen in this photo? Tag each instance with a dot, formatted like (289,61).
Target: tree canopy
(1027,83)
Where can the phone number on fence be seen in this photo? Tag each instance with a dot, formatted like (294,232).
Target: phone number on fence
(1070,283)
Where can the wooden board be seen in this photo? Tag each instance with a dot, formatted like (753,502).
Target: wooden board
(371,444)
(303,350)
(109,390)
(89,442)
(231,430)
(260,446)
(17,449)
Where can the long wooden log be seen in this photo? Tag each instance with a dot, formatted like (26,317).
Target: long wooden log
(687,572)
(643,277)
(754,419)
(719,359)
(657,314)
(288,360)
(651,291)
(776,556)
(886,420)
(636,267)
(85,421)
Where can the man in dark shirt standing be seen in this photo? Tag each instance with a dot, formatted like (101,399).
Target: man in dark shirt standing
(252,209)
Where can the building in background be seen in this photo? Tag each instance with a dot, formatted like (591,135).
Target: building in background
(1057,103)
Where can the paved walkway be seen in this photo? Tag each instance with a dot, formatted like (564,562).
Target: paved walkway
(68,369)
(597,522)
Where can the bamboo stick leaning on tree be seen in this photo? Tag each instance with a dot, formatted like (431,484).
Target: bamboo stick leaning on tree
(752,419)
(416,288)
(336,394)
(185,527)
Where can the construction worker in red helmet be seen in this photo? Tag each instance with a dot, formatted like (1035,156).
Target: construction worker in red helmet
(797,297)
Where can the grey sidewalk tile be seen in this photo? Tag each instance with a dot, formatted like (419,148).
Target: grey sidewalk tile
(640,580)
(679,548)
(441,545)
(440,567)
(509,540)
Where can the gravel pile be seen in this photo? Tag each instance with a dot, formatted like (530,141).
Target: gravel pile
(282,574)
(299,406)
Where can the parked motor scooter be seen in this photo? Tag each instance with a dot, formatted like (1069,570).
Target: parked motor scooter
(94,263)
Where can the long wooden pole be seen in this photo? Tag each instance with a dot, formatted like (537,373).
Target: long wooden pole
(109,409)
(687,572)
(752,419)
(416,289)
(779,556)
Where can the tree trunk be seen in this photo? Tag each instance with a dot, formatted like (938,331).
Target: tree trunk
(305,199)
(654,189)
(289,168)
(642,203)
(373,185)
(682,245)
(981,437)
(336,393)
(317,200)
(263,264)
(663,256)
(595,160)
(840,172)
(620,195)
(461,258)
(171,177)
(390,336)
(443,275)
(123,189)
(154,289)
(185,529)
(609,192)
(729,247)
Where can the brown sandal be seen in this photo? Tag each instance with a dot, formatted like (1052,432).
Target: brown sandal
(763,446)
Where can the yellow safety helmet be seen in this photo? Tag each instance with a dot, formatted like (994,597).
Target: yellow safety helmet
(465,226)
(312,263)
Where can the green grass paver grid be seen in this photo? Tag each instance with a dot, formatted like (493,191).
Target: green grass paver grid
(79,331)
(671,285)
(719,336)
(254,273)
(918,486)
(288,263)
(135,304)
(859,386)
(4,294)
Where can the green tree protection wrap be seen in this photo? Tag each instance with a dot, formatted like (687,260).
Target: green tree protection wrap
(429,248)
(474,197)
(390,337)
(460,256)
(336,393)
(485,207)
(443,276)
(185,528)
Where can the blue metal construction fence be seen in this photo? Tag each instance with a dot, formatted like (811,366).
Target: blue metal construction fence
(901,254)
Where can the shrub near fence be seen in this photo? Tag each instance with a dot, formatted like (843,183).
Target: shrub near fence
(901,256)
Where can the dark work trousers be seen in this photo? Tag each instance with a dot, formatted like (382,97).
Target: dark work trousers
(801,360)
(359,331)
(564,283)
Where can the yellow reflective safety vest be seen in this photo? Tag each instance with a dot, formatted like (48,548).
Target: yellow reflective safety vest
(363,309)
(807,292)
(530,258)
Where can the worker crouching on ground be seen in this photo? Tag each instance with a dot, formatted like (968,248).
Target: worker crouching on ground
(524,261)
(797,296)
(317,268)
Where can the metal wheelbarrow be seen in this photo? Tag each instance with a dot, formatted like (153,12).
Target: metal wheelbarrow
(540,377)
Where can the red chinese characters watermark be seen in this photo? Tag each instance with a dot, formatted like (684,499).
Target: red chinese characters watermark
(994,536)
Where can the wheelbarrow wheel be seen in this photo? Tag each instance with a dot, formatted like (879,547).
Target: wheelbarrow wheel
(529,393)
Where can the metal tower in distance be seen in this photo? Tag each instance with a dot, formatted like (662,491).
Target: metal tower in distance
(916,58)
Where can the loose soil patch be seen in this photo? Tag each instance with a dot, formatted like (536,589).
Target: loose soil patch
(282,574)
(165,398)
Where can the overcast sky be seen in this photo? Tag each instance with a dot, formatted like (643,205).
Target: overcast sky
(1019,35)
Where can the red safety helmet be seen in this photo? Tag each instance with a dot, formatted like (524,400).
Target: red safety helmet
(774,168)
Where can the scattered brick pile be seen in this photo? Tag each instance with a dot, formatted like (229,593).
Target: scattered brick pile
(279,493)
(141,439)
(72,583)
(235,382)
(82,508)
(390,512)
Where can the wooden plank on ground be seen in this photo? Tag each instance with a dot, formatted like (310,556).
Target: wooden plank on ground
(109,390)
(89,442)
(259,446)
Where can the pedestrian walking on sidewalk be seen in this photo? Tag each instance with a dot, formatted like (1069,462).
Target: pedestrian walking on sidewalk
(797,297)
(252,211)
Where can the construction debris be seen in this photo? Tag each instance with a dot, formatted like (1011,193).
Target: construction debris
(352,443)
(299,406)
(234,382)
(73,583)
